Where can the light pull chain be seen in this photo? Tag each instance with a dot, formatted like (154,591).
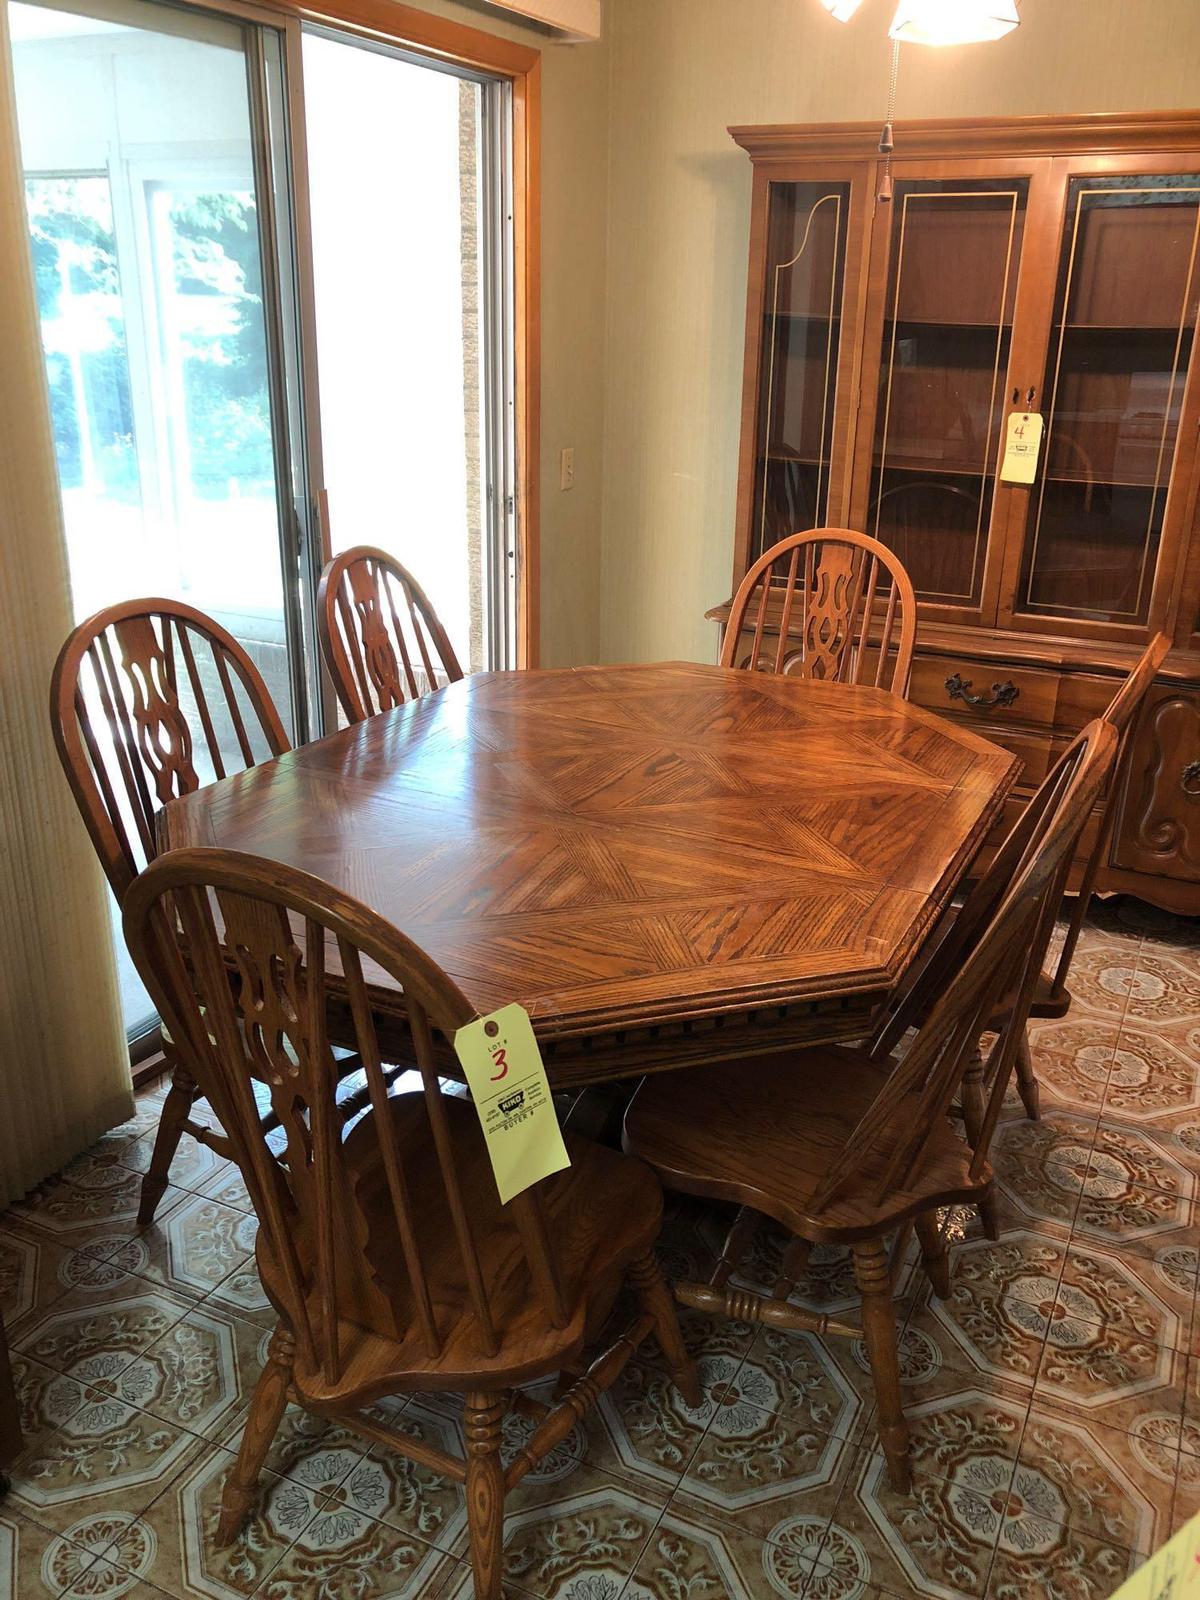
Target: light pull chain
(886,141)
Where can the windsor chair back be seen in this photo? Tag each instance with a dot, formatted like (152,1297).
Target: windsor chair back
(380,636)
(829,603)
(149,700)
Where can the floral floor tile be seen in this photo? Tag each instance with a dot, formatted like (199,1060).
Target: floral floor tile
(313,1451)
(1111,1485)
(36,1564)
(1125,1156)
(1166,986)
(1155,1072)
(200,1373)
(98,1201)
(1042,1167)
(105,1457)
(242,1292)
(936,1541)
(704,1559)
(752,1466)
(193,1249)
(35,1271)
(577,1539)
(1147,1296)
(98,1328)
(1095,1373)
(1002,1295)
(1103,975)
(388,1487)
(1055,1562)
(1073,1058)
(172,1545)
(820,1383)
(344,1553)
(226,1187)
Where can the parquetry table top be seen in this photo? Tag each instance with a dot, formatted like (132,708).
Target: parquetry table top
(633,848)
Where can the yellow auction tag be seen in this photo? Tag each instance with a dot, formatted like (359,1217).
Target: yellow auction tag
(503,1064)
(1021,446)
(1172,1573)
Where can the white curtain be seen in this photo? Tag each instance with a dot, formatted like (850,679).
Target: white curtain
(64,1065)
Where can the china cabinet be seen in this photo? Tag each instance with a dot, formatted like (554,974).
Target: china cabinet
(1031,268)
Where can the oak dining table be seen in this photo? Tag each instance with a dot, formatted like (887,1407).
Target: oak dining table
(664,864)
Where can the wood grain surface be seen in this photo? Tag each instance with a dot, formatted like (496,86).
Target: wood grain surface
(661,863)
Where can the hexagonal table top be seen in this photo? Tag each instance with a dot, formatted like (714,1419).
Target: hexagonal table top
(639,847)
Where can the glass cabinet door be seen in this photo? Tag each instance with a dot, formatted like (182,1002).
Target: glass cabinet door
(1121,337)
(944,315)
(801,344)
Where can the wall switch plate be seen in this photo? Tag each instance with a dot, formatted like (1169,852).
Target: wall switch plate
(566,471)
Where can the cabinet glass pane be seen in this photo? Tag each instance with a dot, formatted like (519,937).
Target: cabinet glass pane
(1124,323)
(955,252)
(806,258)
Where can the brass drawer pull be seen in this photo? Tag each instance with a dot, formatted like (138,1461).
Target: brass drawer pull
(1189,780)
(1003,694)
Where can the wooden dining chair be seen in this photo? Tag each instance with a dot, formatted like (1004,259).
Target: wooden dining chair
(1051,996)
(846,596)
(847,1145)
(380,636)
(387,1254)
(149,700)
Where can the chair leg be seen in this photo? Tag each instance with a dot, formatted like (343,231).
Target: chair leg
(973,1112)
(177,1108)
(483,1423)
(933,1253)
(795,1259)
(1027,1084)
(745,1225)
(879,1333)
(262,1424)
(646,1276)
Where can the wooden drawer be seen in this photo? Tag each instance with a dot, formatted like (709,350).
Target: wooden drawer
(1025,695)
(1009,694)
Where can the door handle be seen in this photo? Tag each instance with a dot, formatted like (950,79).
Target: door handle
(1003,694)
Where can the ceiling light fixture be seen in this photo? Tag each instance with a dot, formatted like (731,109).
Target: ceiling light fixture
(942,22)
(933,22)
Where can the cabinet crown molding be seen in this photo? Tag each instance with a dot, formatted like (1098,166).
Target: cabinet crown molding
(1094,133)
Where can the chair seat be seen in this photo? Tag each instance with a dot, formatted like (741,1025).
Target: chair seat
(602,1212)
(763,1132)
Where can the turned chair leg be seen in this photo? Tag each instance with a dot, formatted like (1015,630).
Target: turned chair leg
(973,1112)
(483,1425)
(872,1274)
(177,1108)
(262,1423)
(795,1260)
(646,1276)
(1027,1084)
(933,1253)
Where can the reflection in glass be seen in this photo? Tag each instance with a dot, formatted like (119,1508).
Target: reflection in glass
(138,154)
(955,252)
(806,259)
(1124,324)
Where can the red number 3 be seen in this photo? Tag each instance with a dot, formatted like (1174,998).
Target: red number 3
(499,1059)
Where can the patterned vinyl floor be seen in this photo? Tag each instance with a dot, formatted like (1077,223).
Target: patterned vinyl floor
(1054,1398)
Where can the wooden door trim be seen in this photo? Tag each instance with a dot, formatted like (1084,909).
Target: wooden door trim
(964,138)
(408,28)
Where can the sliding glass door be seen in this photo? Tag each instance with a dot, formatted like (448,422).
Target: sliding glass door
(243,322)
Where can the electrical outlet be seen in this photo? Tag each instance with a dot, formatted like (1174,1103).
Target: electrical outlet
(566,471)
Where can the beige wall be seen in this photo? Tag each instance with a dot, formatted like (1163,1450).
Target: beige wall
(574,220)
(681,71)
